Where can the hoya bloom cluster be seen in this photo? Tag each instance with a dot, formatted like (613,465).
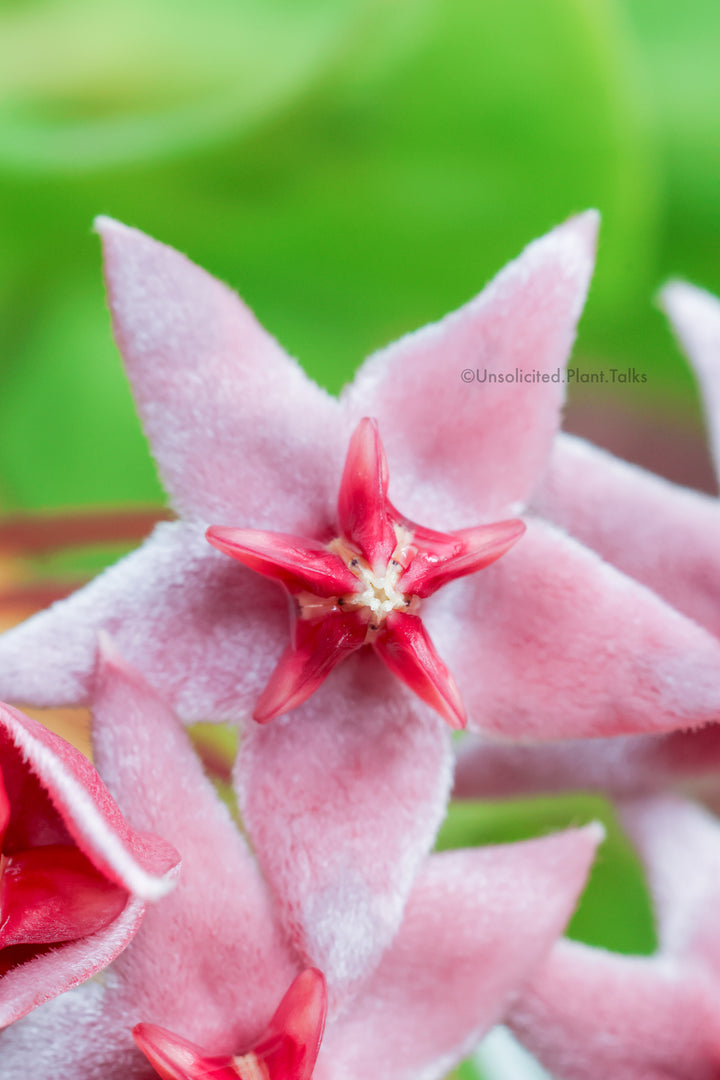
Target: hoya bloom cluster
(347,580)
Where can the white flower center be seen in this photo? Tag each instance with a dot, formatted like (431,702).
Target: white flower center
(380,594)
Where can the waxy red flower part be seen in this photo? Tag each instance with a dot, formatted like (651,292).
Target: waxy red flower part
(74,876)
(365,586)
(210,963)
(287,1050)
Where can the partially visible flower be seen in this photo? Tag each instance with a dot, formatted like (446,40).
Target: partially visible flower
(287,1049)
(74,876)
(590,1015)
(548,642)
(677,553)
(663,535)
(211,962)
(622,767)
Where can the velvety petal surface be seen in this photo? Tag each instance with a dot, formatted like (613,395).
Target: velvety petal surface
(592,1015)
(77,875)
(663,535)
(477,924)
(459,451)
(623,766)
(225,624)
(192,967)
(233,422)
(342,800)
(695,316)
(680,846)
(551,642)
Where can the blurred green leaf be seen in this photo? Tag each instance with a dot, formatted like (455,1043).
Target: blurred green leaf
(420,147)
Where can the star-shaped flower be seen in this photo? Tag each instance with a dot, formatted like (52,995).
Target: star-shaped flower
(365,586)
(74,876)
(590,1014)
(547,642)
(211,961)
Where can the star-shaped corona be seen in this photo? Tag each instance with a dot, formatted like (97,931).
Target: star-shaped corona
(365,585)
(288,1049)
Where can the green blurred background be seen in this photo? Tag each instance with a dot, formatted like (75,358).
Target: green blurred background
(355,168)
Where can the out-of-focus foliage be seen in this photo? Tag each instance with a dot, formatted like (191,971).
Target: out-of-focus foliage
(354,167)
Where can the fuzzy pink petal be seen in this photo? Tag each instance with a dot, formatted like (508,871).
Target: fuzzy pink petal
(466,450)
(680,846)
(203,630)
(210,962)
(695,315)
(342,800)
(592,1015)
(622,766)
(57,797)
(232,420)
(477,924)
(551,642)
(665,536)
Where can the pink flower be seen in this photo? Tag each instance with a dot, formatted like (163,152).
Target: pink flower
(74,876)
(677,555)
(365,586)
(547,642)
(211,962)
(590,1015)
(604,501)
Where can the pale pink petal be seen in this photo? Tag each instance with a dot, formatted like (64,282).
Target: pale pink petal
(551,642)
(663,535)
(695,315)
(622,766)
(592,1015)
(680,846)
(232,420)
(477,924)
(342,800)
(464,450)
(205,631)
(191,968)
